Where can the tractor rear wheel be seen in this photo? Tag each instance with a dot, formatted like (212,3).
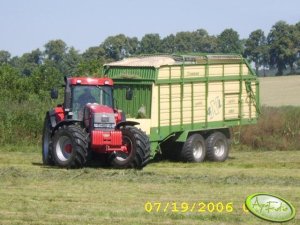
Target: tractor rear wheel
(46,142)
(138,147)
(70,146)
(194,149)
(217,147)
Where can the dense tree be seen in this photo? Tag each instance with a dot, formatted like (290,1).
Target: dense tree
(296,45)
(29,61)
(92,60)
(44,78)
(134,45)
(70,62)
(198,41)
(229,42)
(4,57)
(282,47)
(94,53)
(55,55)
(150,44)
(256,49)
(184,42)
(203,42)
(119,46)
(8,77)
(168,44)
(36,57)
(297,41)
(55,50)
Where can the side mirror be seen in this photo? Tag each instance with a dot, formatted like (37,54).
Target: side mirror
(54,93)
(129,94)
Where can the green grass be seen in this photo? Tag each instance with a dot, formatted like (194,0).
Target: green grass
(34,194)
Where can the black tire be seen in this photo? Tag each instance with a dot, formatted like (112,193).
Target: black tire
(46,143)
(139,149)
(70,146)
(194,149)
(217,147)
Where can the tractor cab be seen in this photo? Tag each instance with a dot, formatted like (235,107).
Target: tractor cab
(81,91)
(87,94)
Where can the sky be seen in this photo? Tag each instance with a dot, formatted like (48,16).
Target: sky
(29,24)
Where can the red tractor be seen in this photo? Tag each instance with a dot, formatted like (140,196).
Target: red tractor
(88,122)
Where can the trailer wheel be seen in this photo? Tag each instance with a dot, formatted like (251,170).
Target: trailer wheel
(46,143)
(217,147)
(194,149)
(70,146)
(138,147)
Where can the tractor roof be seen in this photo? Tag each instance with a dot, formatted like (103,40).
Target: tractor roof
(90,81)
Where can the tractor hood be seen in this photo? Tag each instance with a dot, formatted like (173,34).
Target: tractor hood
(99,116)
(96,108)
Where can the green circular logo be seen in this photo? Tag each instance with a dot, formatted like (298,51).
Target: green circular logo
(270,207)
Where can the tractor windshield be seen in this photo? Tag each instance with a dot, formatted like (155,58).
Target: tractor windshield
(82,95)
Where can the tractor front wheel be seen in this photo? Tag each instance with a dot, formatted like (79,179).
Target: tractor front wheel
(138,149)
(70,146)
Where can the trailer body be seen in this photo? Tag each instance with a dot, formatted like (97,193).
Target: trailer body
(176,96)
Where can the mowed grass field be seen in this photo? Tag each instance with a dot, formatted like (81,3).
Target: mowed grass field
(31,193)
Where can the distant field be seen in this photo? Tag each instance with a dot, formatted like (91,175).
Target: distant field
(33,194)
(279,91)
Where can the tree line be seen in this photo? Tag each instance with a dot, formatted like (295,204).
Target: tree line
(26,80)
(278,49)
(37,71)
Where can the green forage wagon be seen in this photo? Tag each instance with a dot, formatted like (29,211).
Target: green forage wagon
(187,103)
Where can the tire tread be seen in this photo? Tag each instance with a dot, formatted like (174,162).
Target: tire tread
(80,146)
(210,146)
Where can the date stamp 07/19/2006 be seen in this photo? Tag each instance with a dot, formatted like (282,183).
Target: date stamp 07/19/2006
(193,207)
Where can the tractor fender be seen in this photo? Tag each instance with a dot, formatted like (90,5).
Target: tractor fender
(55,115)
(63,122)
(51,115)
(126,123)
